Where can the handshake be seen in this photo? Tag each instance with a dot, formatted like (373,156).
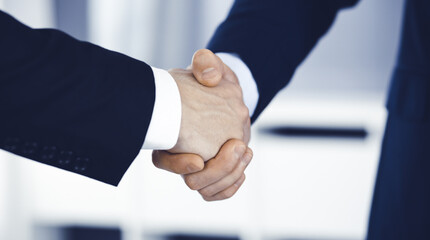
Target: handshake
(211,152)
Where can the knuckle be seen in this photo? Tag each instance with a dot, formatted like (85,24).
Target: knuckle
(251,153)
(227,194)
(191,183)
(206,193)
(242,113)
(207,199)
(228,166)
(250,156)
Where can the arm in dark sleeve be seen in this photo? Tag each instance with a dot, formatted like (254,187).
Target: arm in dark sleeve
(71,104)
(273,37)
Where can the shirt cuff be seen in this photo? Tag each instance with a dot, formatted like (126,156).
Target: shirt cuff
(246,80)
(163,130)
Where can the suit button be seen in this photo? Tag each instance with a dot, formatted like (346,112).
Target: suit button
(29,148)
(65,157)
(48,153)
(81,164)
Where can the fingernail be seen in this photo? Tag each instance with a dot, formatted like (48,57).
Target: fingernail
(209,73)
(239,150)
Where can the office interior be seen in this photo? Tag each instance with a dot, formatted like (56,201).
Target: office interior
(316,147)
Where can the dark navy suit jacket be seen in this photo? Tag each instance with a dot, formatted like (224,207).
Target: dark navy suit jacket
(71,104)
(273,37)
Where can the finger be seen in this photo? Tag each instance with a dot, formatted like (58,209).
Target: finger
(219,167)
(227,193)
(207,67)
(230,179)
(180,163)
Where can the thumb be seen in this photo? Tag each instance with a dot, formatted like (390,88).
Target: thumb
(180,163)
(207,68)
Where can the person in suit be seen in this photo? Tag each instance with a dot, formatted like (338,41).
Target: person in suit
(79,107)
(271,38)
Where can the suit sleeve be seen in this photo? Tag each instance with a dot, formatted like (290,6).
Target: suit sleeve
(71,104)
(273,37)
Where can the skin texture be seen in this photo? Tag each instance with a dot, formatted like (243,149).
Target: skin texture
(208,68)
(221,176)
(210,115)
(217,179)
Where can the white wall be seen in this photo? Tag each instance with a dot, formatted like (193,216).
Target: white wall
(164,33)
(4,180)
(357,54)
(35,13)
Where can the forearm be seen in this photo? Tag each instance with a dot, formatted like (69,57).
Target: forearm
(71,104)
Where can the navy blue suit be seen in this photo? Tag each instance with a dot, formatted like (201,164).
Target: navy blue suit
(273,37)
(71,104)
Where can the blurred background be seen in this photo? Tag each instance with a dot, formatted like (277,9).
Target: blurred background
(316,146)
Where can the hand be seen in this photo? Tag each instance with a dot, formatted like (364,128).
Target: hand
(219,178)
(210,115)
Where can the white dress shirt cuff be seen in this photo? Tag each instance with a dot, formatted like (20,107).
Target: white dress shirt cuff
(163,130)
(246,80)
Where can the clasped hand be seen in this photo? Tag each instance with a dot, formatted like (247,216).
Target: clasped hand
(211,153)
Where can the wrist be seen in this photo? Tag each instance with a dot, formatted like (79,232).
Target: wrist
(246,80)
(163,130)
